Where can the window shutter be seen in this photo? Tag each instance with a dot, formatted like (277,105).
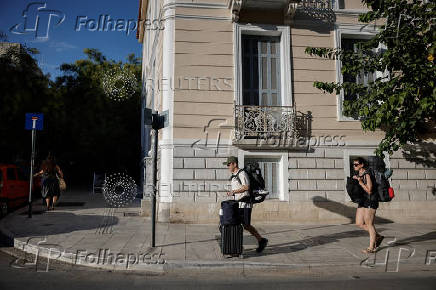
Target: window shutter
(261,70)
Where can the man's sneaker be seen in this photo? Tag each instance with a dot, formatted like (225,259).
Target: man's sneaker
(262,244)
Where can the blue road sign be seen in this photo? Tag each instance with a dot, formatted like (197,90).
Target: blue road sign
(34,119)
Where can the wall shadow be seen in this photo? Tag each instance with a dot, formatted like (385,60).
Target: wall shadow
(342,209)
(423,153)
(319,20)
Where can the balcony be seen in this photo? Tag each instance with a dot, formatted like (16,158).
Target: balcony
(289,7)
(276,126)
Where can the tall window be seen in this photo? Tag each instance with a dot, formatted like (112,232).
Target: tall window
(261,70)
(364,78)
(270,172)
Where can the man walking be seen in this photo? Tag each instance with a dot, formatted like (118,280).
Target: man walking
(240,189)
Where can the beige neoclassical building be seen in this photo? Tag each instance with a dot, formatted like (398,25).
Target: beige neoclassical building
(234,79)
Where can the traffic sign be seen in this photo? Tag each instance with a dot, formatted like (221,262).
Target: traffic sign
(34,121)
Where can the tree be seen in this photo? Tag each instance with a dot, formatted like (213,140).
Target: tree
(24,88)
(99,133)
(401,102)
(86,130)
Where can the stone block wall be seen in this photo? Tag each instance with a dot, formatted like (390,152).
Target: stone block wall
(412,181)
(199,175)
(317,174)
(316,190)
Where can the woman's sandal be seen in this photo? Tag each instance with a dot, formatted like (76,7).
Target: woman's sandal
(369,251)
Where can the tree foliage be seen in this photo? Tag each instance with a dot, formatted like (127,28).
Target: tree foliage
(86,130)
(24,88)
(402,102)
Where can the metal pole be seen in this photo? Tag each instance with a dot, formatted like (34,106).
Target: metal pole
(153,202)
(32,158)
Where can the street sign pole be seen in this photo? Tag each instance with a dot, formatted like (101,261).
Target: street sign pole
(157,122)
(153,198)
(34,122)
(32,161)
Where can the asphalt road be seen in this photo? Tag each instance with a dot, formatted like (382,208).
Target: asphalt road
(15,275)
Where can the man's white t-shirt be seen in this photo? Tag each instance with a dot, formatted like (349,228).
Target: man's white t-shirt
(236,185)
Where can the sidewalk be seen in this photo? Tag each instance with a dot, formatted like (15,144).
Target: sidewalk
(83,231)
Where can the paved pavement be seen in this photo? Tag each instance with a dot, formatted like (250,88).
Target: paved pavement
(83,231)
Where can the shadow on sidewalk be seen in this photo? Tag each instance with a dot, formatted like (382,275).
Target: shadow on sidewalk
(299,229)
(342,209)
(84,198)
(55,223)
(422,238)
(295,246)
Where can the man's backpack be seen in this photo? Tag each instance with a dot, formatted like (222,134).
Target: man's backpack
(382,187)
(257,183)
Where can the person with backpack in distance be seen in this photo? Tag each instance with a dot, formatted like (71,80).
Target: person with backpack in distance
(240,185)
(367,206)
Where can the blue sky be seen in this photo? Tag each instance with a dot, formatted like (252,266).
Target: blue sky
(64,42)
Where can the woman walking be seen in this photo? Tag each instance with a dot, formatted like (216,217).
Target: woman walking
(51,173)
(365,213)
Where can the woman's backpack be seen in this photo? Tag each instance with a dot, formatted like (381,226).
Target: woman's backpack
(381,186)
(354,190)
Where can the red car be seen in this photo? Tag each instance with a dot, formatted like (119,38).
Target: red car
(14,188)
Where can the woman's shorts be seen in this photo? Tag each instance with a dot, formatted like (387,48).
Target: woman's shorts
(369,204)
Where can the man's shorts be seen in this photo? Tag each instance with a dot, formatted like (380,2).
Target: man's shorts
(245,216)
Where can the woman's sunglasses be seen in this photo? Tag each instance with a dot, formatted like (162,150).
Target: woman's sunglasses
(356,164)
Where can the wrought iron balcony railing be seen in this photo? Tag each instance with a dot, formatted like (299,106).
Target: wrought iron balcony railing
(316,4)
(266,122)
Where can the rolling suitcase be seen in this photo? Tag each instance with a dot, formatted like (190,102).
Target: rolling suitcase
(229,214)
(231,239)
(231,228)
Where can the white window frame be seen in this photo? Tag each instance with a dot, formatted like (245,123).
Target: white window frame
(336,8)
(285,57)
(283,168)
(358,152)
(359,32)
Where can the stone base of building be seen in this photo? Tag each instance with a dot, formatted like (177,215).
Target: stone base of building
(316,212)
